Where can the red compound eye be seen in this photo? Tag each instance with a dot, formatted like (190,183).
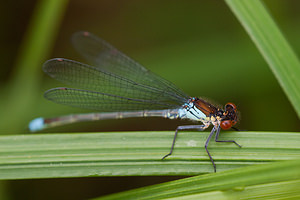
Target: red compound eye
(227,124)
(233,123)
(231,105)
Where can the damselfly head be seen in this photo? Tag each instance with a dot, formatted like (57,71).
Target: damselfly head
(230,116)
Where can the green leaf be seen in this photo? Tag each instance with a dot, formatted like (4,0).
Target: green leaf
(137,153)
(272,181)
(272,45)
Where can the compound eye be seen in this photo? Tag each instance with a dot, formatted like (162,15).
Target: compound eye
(233,122)
(226,124)
(232,105)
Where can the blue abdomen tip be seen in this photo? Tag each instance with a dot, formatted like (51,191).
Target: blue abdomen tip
(36,124)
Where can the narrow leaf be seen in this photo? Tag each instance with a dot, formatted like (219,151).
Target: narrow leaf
(137,153)
(272,45)
(272,181)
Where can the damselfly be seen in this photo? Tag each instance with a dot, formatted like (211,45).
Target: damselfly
(119,87)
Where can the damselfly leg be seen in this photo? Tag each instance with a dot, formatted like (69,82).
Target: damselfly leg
(206,144)
(186,127)
(201,128)
(217,137)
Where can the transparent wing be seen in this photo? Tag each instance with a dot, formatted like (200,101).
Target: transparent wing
(91,78)
(107,58)
(101,101)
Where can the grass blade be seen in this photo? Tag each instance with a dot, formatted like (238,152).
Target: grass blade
(268,181)
(137,153)
(272,45)
(37,43)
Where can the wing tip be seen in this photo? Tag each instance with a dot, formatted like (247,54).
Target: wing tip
(50,62)
(81,34)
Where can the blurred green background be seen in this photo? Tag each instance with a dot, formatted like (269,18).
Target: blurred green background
(198,45)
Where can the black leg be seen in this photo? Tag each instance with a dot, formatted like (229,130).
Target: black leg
(217,136)
(236,129)
(199,127)
(206,144)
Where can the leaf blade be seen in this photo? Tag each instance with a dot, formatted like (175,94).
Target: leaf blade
(271,43)
(137,153)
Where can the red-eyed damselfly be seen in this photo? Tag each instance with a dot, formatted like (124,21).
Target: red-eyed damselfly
(118,87)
